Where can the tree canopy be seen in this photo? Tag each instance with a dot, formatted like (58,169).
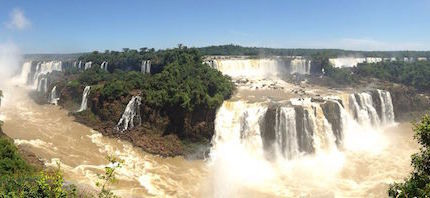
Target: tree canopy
(418,182)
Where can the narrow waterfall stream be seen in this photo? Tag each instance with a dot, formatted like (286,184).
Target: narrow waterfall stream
(84,102)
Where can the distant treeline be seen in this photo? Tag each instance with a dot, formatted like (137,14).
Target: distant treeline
(238,50)
(49,57)
(415,74)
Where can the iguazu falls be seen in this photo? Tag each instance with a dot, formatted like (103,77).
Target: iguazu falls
(221,99)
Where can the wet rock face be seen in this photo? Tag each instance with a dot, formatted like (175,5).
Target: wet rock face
(408,103)
(304,130)
(332,113)
(377,103)
(267,128)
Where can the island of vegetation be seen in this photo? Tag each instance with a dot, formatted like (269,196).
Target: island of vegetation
(180,97)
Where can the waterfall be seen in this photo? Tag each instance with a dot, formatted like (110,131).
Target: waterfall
(346,61)
(42,69)
(261,68)
(354,61)
(211,63)
(42,85)
(85,99)
(131,115)
(300,66)
(80,65)
(387,109)
(53,99)
(363,108)
(25,73)
(88,65)
(146,67)
(301,126)
(286,133)
(104,65)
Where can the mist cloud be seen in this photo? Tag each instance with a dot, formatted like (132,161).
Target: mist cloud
(18,20)
(10,58)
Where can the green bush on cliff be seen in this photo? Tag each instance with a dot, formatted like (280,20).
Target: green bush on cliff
(10,161)
(187,83)
(92,76)
(418,183)
(19,179)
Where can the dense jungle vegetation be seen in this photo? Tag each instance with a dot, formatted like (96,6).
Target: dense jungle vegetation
(179,78)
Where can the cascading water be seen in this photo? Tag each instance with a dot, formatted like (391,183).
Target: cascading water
(286,132)
(104,65)
(25,73)
(88,65)
(42,85)
(85,98)
(131,115)
(146,67)
(363,108)
(387,109)
(42,69)
(53,99)
(261,68)
(300,66)
(303,125)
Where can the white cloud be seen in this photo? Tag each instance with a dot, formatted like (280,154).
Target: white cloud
(18,20)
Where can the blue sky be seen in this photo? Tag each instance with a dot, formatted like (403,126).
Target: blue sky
(85,25)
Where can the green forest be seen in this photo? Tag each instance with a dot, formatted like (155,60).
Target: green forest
(414,74)
(181,80)
(328,53)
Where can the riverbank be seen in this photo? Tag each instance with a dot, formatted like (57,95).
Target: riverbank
(26,153)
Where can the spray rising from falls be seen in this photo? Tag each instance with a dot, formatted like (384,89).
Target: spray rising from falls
(131,115)
(84,105)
